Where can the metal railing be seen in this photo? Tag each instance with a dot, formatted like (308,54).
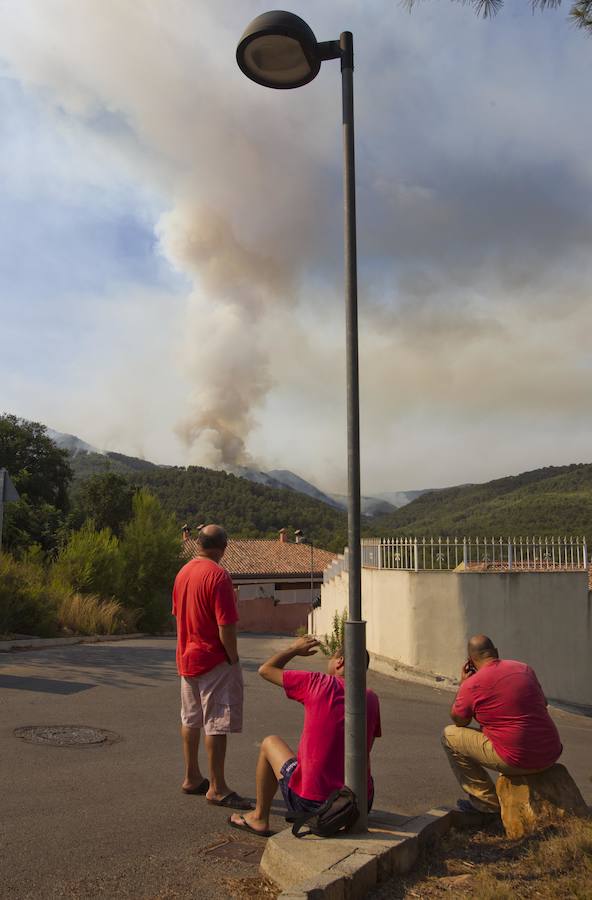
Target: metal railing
(476,554)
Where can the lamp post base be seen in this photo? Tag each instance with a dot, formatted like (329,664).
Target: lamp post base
(356,754)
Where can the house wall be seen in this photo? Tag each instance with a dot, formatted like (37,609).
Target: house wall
(424,619)
(261,614)
(286,593)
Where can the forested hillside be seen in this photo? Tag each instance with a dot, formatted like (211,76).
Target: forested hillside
(553,500)
(85,465)
(550,501)
(246,509)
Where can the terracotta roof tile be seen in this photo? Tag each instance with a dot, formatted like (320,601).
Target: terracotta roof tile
(269,557)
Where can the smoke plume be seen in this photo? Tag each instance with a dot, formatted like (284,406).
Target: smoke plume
(225,353)
(474,184)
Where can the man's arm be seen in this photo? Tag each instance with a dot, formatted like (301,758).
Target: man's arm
(534,675)
(457,719)
(228,637)
(467,671)
(272,669)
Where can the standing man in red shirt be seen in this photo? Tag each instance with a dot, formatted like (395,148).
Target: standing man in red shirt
(308,778)
(517,735)
(207,661)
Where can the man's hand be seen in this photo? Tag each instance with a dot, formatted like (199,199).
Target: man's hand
(272,669)
(228,638)
(467,670)
(305,646)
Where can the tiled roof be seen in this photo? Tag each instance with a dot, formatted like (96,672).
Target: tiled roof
(269,557)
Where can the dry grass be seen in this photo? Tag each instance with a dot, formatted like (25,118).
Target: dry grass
(554,864)
(88,614)
(254,888)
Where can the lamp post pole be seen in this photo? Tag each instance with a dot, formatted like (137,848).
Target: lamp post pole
(356,774)
(279,50)
(311,573)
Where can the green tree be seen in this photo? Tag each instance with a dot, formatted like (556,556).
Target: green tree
(25,605)
(581,14)
(41,473)
(580,11)
(88,563)
(106,499)
(150,553)
(27,524)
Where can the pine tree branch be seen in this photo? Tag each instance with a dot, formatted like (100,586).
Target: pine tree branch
(580,12)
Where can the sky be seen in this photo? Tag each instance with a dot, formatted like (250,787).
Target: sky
(171,238)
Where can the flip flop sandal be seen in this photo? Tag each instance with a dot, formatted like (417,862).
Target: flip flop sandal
(202,788)
(232,801)
(244,826)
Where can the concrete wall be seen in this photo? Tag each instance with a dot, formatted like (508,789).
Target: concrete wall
(287,594)
(424,619)
(261,614)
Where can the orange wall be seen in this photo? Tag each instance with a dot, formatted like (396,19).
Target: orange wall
(261,615)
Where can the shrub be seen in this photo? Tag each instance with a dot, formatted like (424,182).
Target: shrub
(25,603)
(88,563)
(335,640)
(150,558)
(88,614)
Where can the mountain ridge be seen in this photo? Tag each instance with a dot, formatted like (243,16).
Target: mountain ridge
(548,501)
(275,478)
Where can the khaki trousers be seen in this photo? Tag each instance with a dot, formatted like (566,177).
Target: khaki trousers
(469,753)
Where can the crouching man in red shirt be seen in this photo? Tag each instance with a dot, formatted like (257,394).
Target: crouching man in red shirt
(307,778)
(517,735)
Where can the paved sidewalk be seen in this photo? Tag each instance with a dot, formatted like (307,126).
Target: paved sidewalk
(111,822)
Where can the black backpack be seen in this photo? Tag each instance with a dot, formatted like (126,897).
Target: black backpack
(339,812)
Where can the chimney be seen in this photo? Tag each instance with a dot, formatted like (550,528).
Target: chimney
(283,536)
(299,536)
(186,533)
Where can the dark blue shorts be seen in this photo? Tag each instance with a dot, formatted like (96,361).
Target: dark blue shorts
(294,802)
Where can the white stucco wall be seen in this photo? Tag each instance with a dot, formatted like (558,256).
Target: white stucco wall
(424,620)
(253,590)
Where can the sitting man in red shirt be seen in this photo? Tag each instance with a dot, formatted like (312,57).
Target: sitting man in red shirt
(517,735)
(307,779)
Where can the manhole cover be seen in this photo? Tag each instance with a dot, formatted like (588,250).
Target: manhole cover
(65,735)
(249,853)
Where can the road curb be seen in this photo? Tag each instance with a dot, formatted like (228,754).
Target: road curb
(43,643)
(347,868)
(393,668)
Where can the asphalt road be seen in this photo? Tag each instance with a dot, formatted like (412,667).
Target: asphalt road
(111,822)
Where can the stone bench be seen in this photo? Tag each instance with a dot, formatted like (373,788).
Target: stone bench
(529,802)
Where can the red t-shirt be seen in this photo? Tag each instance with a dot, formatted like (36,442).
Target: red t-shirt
(203,599)
(507,700)
(321,752)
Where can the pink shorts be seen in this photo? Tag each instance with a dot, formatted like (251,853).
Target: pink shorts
(214,701)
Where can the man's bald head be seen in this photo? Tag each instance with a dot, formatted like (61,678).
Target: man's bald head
(481,649)
(212,540)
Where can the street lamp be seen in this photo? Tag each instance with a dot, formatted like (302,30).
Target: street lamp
(301,539)
(279,50)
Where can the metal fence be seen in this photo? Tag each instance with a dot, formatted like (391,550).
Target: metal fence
(477,554)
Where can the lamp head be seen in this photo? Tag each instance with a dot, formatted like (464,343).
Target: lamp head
(279,50)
